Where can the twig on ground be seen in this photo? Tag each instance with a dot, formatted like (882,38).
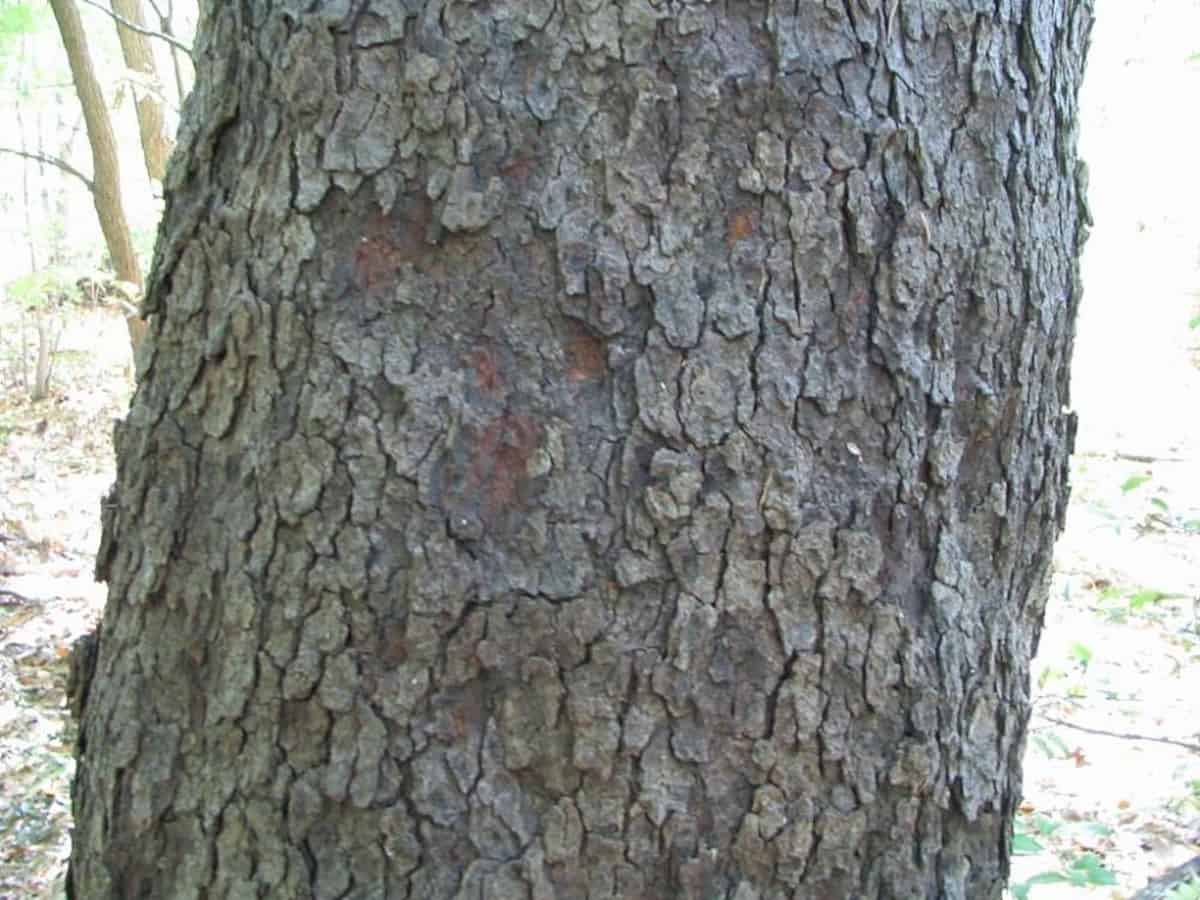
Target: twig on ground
(1132,457)
(1123,735)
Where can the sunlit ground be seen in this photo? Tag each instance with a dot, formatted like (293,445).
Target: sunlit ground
(1121,650)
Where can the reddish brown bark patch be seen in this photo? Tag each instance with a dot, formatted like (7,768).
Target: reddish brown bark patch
(742,224)
(375,264)
(487,370)
(389,241)
(501,460)
(585,357)
(854,308)
(518,170)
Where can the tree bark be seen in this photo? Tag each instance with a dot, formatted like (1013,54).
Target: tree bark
(591,450)
(139,57)
(1165,886)
(106,178)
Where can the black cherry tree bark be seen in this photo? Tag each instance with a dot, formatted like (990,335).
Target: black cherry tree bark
(591,449)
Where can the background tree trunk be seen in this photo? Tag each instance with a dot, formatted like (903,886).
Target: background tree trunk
(139,58)
(591,451)
(106,178)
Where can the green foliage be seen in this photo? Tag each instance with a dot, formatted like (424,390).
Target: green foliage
(17,20)
(1157,515)
(1189,802)
(1085,870)
(1078,869)
(1025,844)
(1146,597)
(1120,601)
(36,290)
(10,421)
(1082,654)
(1025,828)
(1051,745)
(1133,482)
(41,297)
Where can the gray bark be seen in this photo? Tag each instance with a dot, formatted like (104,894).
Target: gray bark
(1166,885)
(591,449)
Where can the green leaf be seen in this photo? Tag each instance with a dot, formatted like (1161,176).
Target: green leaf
(1082,653)
(35,289)
(1133,482)
(1194,322)
(1046,826)
(1052,746)
(1160,503)
(16,19)
(1024,845)
(1020,891)
(1087,870)
(1146,597)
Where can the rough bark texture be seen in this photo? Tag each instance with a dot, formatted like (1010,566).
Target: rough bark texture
(1167,884)
(106,168)
(591,449)
(139,57)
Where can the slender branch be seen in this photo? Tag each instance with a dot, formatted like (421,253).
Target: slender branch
(1123,735)
(1131,457)
(125,23)
(164,23)
(1144,458)
(51,161)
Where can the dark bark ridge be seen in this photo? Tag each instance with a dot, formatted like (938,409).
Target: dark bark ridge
(591,449)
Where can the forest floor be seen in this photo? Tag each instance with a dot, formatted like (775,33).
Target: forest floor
(56,462)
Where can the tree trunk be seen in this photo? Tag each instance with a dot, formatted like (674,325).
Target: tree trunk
(591,450)
(106,179)
(139,58)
